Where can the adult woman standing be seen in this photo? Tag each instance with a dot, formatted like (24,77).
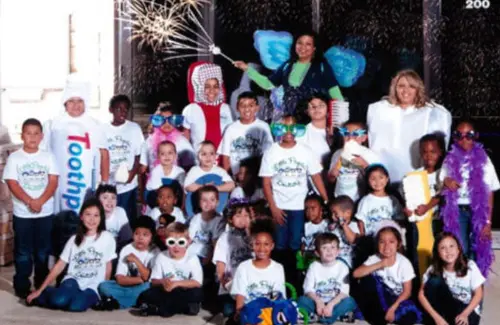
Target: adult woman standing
(398,121)
(303,75)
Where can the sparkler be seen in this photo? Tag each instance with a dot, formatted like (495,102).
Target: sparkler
(165,27)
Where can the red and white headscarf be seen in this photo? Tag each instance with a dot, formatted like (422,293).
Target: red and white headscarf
(198,74)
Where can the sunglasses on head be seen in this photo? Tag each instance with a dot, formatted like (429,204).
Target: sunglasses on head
(279,129)
(471,135)
(356,133)
(180,242)
(158,120)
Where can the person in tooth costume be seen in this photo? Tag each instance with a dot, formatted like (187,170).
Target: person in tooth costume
(78,144)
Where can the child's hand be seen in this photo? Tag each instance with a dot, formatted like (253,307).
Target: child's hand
(35,205)
(131,258)
(451,184)
(390,315)
(385,262)
(359,161)
(462,319)
(333,174)
(320,308)
(241,65)
(33,296)
(278,215)
(328,310)
(486,232)
(169,285)
(422,209)
(408,213)
(440,321)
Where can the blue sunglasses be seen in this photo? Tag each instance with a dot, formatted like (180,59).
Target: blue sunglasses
(174,120)
(356,133)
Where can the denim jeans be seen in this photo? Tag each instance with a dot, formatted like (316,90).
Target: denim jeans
(289,235)
(343,307)
(128,201)
(68,296)
(126,296)
(464,219)
(32,245)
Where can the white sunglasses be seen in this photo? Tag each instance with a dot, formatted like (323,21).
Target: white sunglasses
(181,242)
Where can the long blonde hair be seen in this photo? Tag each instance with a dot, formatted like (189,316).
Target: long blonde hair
(415,82)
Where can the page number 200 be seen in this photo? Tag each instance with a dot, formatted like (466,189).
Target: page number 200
(477,4)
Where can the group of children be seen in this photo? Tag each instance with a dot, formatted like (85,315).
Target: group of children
(334,229)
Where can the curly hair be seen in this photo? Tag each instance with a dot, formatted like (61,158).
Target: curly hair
(415,82)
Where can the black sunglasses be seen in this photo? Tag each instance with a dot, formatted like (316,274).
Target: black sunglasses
(471,135)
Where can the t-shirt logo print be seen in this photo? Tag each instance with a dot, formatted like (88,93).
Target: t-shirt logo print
(87,262)
(290,171)
(119,150)
(33,176)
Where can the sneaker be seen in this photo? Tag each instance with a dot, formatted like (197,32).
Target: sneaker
(347,318)
(147,310)
(193,309)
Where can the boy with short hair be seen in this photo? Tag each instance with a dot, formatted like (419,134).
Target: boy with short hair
(245,138)
(124,140)
(176,278)
(31,175)
(326,286)
(133,270)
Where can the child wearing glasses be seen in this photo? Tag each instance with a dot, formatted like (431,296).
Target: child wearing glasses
(246,138)
(469,180)
(124,143)
(176,278)
(348,164)
(284,170)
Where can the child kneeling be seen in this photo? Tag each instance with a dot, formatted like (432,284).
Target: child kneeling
(133,270)
(326,286)
(176,278)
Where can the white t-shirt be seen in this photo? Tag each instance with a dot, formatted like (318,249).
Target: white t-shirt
(310,232)
(186,157)
(124,144)
(75,143)
(241,141)
(194,120)
(351,181)
(288,169)
(461,288)
(315,139)
(196,172)
(87,262)
(204,234)
(346,248)
(238,193)
(435,186)
(146,257)
(327,281)
(394,277)
(373,209)
(116,221)
(490,178)
(31,171)
(177,213)
(187,268)
(157,175)
(252,283)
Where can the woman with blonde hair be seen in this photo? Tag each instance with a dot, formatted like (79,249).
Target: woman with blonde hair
(399,120)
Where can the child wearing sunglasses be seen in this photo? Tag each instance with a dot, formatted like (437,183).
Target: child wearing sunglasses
(124,142)
(165,127)
(176,278)
(284,170)
(469,180)
(346,170)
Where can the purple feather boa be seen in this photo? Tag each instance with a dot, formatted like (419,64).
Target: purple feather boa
(476,159)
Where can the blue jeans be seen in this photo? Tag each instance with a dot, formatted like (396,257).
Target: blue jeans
(32,243)
(128,201)
(464,219)
(126,296)
(68,296)
(289,235)
(344,306)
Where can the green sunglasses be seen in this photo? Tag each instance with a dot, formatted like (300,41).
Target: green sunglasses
(279,129)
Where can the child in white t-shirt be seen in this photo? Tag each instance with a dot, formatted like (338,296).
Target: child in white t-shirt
(88,255)
(326,286)
(232,248)
(345,228)
(452,287)
(116,218)
(284,170)
(248,182)
(385,285)
(31,175)
(124,142)
(260,276)
(247,137)
(347,170)
(134,268)
(206,227)
(167,168)
(207,159)
(166,200)
(176,278)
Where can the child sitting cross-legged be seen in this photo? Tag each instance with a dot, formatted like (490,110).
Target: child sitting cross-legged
(176,278)
(133,271)
(326,286)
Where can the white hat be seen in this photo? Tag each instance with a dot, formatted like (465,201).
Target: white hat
(387,223)
(77,86)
